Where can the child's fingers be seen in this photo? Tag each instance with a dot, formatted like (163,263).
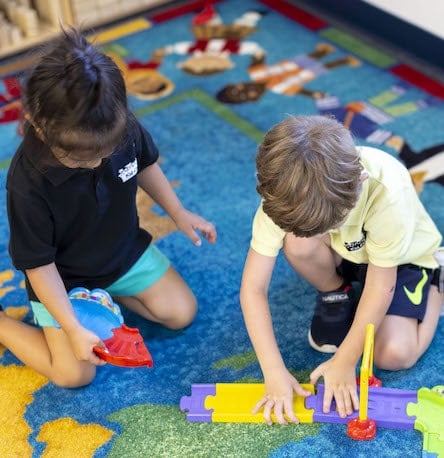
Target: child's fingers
(207,230)
(210,236)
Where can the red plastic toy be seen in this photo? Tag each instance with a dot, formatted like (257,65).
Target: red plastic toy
(125,348)
(363,428)
(97,312)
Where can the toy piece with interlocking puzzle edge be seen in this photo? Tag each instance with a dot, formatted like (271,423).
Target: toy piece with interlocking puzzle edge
(96,311)
(384,407)
(429,412)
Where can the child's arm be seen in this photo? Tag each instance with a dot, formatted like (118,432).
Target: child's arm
(339,372)
(280,385)
(153,181)
(49,288)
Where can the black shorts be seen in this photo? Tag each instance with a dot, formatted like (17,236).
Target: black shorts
(411,291)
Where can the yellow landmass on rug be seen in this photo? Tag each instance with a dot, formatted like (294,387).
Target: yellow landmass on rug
(64,437)
(18,385)
(67,438)
(5,276)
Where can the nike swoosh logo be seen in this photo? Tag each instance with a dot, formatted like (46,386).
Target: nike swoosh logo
(416,295)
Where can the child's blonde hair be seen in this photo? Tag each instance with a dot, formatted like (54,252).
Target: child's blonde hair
(308,173)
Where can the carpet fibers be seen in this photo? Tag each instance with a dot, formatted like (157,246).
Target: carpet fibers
(291,62)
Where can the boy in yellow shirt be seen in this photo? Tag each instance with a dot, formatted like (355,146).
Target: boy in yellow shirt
(341,214)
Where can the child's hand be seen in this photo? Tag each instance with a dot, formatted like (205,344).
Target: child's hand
(340,384)
(189,223)
(83,341)
(278,399)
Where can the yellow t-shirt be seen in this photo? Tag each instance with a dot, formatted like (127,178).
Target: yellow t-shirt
(388,226)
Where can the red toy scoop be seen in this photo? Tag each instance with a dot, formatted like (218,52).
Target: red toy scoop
(125,348)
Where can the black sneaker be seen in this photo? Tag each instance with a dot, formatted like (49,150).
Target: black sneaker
(332,318)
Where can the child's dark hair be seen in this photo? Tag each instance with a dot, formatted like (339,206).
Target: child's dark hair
(75,96)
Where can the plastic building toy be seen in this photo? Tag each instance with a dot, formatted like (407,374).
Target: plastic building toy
(233,402)
(363,428)
(367,361)
(429,413)
(195,404)
(126,348)
(97,312)
(386,407)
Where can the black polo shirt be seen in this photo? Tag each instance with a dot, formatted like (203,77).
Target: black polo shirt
(83,220)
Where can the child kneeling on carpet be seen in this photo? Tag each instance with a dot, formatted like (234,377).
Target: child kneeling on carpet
(71,198)
(344,216)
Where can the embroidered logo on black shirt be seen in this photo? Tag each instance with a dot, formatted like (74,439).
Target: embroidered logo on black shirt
(128,171)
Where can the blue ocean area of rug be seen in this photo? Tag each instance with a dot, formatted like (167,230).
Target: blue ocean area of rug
(207,150)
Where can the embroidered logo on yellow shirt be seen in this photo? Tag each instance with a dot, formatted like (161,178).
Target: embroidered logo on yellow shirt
(358,244)
(415,296)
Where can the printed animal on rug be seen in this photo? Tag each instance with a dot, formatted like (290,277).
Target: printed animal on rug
(370,120)
(143,79)
(426,165)
(10,104)
(288,77)
(214,42)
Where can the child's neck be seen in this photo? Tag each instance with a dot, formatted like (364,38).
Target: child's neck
(71,163)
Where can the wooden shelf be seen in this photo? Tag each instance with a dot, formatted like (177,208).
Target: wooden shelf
(117,10)
(46,33)
(84,14)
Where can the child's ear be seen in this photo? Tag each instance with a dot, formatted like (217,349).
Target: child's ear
(364,176)
(25,115)
(37,129)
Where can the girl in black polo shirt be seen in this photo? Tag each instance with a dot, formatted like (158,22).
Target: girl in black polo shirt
(71,196)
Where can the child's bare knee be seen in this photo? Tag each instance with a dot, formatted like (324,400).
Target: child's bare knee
(395,356)
(183,317)
(178,314)
(75,379)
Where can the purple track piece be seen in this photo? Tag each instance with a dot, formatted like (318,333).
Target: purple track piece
(386,406)
(315,402)
(195,404)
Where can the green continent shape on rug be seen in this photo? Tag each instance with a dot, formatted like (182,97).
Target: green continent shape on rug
(243,360)
(162,431)
(237,362)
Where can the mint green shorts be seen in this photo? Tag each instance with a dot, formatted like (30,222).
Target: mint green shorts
(147,270)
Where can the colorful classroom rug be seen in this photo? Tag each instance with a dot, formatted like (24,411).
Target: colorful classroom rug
(208,86)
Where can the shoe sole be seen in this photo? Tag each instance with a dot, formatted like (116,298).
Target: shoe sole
(325,348)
